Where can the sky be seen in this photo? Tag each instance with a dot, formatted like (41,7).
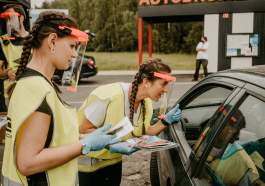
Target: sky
(38,2)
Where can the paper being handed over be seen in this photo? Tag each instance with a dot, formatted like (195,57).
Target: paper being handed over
(122,128)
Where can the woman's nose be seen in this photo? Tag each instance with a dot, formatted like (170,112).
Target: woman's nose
(75,54)
(166,89)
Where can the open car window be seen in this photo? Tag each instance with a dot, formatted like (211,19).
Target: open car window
(215,95)
(238,153)
(197,112)
(194,119)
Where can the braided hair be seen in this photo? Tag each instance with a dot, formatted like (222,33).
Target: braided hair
(146,70)
(46,24)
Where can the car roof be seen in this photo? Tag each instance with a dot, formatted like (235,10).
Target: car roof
(254,75)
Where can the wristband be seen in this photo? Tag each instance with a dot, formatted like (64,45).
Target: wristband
(164,122)
(162,119)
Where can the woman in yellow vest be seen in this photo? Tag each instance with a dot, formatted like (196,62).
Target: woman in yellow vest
(42,139)
(11,42)
(111,103)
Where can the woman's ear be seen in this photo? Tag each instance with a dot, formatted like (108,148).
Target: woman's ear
(51,41)
(146,83)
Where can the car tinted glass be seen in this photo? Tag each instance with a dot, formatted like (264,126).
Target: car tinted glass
(238,152)
(253,111)
(211,96)
(200,110)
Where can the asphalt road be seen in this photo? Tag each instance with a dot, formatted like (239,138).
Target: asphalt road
(135,166)
(85,86)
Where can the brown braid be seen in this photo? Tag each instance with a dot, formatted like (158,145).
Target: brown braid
(145,71)
(44,25)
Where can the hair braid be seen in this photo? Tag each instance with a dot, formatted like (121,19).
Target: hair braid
(23,62)
(144,112)
(133,96)
(24,57)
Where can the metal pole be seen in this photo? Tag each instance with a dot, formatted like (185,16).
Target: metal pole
(140,40)
(32,4)
(150,44)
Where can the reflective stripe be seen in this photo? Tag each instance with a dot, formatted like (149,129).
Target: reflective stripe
(77,180)
(85,160)
(8,182)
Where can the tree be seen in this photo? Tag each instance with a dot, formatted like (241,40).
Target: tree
(115,25)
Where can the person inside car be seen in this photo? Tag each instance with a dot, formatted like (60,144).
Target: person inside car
(228,159)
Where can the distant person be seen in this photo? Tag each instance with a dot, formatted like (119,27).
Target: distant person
(201,58)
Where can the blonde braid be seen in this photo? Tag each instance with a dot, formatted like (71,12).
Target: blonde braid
(135,84)
(133,95)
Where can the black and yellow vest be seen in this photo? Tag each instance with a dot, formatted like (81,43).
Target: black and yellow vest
(26,98)
(115,112)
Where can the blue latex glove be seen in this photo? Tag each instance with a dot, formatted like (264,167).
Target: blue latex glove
(123,148)
(173,116)
(97,140)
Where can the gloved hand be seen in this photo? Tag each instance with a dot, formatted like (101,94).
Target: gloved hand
(123,148)
(174,115)
(97,140)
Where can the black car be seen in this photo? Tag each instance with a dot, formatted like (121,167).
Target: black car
(221,135)
(88,69)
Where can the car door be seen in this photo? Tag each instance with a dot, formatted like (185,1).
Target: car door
(240,143)
(198,106)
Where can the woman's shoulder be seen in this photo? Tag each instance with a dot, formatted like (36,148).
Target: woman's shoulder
(34,83)
(108,90)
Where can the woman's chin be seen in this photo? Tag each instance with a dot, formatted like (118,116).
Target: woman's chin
(155,99)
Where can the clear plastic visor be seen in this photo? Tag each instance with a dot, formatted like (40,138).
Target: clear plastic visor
(71,75)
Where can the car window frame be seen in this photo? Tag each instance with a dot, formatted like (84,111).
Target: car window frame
(235,87)
(233,102)
(246,92)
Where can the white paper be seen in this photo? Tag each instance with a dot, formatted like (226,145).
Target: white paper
(122,128)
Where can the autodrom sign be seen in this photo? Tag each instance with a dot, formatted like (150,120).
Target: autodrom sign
(166,2)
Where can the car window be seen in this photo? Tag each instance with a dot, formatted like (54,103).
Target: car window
(197,112)
(211,96)
(253,111)
(238,152)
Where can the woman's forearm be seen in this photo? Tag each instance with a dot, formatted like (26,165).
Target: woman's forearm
(156,128)
(49,158)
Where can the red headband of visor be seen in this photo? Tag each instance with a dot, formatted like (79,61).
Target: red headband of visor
(165,76)
(80,35)
(8,14)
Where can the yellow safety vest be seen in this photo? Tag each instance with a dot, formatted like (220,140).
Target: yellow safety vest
(12,54)
(232,168)
(26,98)
(115,112)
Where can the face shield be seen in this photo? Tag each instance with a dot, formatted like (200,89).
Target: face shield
(164,101)
(71,75)
(12,22)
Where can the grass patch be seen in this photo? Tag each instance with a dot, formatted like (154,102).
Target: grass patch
(129,60)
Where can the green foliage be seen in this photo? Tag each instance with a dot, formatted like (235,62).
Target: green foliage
(115,24)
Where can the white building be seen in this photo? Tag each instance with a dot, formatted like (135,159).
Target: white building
(235,28)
